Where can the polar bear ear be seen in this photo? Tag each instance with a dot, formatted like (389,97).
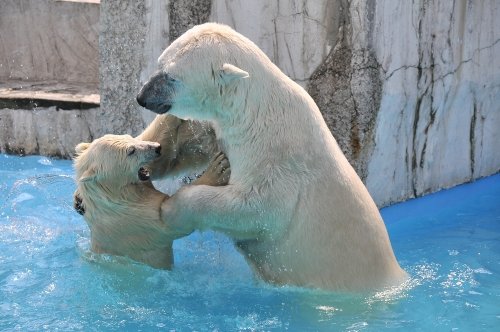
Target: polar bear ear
(229,73)
(81,147)
(88,175)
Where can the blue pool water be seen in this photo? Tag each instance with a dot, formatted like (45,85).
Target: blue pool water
(449,242)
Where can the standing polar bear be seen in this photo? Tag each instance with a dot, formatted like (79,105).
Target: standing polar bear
(294,205)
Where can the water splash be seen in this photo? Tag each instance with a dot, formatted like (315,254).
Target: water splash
(43,187)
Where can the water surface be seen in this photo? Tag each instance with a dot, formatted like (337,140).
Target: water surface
(449,242)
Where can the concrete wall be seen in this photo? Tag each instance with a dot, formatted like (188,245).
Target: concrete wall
(410,90)
(49,76)
(47,40)
(132,34)
(439,119)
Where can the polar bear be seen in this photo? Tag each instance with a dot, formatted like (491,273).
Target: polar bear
(294,205)
(120,204)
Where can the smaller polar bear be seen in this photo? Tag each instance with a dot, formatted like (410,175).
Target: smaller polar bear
(294,205)
(120,204)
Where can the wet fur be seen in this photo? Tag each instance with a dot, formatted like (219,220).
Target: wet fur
(122,212)
(294,205)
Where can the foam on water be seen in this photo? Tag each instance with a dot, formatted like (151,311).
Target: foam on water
(449,242)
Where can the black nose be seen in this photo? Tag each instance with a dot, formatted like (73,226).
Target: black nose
(158,150)
(140,100)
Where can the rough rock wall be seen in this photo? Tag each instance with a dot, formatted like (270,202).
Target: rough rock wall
(347,88)
(184,14)
(48,76)
(47,131)
(129,31)
(410,90)
(39,43)
(133,35)
(439,119)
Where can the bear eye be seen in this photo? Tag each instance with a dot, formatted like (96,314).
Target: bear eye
(130,151)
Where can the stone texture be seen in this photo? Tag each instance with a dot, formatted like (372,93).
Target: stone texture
(49,40)
(49,98)
(47,131)
(347,89)
(184,14)
(30,95)
(123,28)
(402,85)
(133,35)
(440,103)
(297,35)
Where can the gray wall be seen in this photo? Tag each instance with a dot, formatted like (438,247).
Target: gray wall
(49,64)
(43,40)
(410,90)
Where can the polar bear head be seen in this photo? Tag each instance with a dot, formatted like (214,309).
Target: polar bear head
(115,159)
(207,70)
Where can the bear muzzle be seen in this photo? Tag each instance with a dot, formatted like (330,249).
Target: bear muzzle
(156,92)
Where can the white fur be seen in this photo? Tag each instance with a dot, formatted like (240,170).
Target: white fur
(294,205)
(122,211)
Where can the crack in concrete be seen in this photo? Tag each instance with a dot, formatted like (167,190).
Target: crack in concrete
(474,54)
(472,140)
(416,116)
(405,67)
(432,113)
(426,80)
